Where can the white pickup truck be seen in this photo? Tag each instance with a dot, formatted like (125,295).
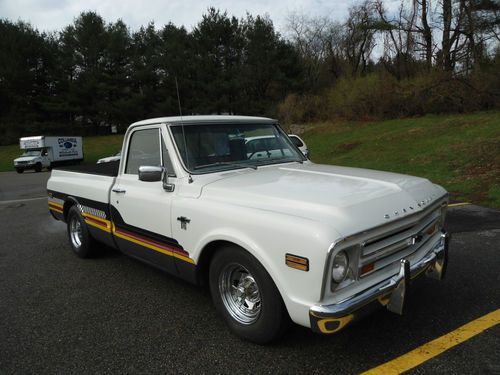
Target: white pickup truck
(275,236)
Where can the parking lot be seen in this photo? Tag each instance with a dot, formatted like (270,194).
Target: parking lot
(62,314)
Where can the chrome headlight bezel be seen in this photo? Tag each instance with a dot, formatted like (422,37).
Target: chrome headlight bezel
(340,267)
(352,254)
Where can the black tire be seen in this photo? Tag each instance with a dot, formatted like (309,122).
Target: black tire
(49,168)
(271,320)
(80,240)
(38,167)
(19,170)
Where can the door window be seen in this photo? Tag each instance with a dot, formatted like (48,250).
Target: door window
(144,149)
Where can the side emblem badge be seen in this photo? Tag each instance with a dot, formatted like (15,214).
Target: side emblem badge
(184,222)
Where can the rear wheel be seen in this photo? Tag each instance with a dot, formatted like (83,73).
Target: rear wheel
(79,237)
(246,296)
(19,170)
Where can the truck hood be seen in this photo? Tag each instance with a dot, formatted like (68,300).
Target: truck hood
(351,200)
(27,158)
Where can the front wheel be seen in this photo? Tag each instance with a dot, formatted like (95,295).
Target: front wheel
(19,170)
(38,167)
(80,240)
(246,296)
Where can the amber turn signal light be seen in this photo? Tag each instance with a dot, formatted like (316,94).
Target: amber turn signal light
(367,268)
(297,262)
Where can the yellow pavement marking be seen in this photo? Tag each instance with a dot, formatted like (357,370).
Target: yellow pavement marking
(458,204)
(433,348)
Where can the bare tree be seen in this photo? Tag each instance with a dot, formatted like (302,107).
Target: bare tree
(400,35)
(425,30)
(358,40)
(310,37)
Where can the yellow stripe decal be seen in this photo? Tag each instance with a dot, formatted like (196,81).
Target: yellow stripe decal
(440,345)
(56,207)
(151,246)
(98,222)
(459,204)
(109,227)
(55,204)
(55,210)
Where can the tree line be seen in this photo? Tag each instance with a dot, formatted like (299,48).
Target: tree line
(426,57)
(93,74)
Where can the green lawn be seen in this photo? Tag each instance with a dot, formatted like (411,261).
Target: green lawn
(459,152)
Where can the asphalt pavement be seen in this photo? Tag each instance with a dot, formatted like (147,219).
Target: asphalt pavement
(112,314)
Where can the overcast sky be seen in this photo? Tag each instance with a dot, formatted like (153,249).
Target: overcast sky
(51,15)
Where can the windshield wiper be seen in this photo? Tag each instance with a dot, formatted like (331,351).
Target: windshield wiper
(225,163)
(276,161)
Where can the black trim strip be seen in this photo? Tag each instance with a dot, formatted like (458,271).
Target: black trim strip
(113,215)
(83,201)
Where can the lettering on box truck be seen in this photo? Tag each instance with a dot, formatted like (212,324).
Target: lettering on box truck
(67,147)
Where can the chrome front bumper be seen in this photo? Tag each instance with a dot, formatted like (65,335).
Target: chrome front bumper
(391,293)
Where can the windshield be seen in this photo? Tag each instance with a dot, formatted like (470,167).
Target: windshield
(221,147)
(31,153)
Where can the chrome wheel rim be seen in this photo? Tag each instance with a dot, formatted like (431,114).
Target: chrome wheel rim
(75,232)
(240,293)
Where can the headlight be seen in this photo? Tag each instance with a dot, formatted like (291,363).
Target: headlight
(340,267)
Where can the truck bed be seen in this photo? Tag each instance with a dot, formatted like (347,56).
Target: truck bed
(103,169)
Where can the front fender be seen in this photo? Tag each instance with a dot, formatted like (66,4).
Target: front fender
(268,236)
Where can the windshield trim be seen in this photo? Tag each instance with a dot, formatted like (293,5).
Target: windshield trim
(195,173)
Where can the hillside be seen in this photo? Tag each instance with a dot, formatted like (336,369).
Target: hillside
(459,152)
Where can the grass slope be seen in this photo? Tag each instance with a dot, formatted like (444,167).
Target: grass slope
(459,152)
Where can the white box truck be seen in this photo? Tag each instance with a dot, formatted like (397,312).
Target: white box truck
(47,152)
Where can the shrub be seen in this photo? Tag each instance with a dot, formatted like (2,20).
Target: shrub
(381,96)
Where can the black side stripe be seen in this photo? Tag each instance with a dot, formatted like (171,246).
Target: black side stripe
(84,201)
(113,215)
(120,223)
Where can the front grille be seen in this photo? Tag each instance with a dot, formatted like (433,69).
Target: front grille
(382,251)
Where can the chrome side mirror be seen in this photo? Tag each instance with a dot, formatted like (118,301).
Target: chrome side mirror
(150,173)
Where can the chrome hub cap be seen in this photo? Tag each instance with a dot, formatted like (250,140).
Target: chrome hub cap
(75,232)
(240,293)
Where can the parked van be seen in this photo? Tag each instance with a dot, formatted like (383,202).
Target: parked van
(47,152)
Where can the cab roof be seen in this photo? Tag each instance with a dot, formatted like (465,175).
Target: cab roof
(205,120)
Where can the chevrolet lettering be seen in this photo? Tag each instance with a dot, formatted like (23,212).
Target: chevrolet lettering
(275,237)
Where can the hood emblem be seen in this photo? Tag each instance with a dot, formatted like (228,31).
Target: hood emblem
(405,210)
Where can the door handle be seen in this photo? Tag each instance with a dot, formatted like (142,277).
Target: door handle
(118,190)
